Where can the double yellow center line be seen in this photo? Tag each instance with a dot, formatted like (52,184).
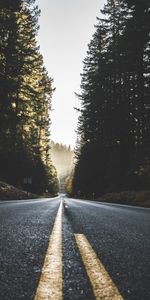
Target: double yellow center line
(50,284)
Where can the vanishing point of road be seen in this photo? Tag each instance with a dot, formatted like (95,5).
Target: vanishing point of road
(60,248)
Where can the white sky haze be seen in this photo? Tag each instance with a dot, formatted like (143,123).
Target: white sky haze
(66,28)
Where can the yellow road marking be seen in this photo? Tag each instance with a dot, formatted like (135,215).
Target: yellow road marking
(50,284)
(103,286)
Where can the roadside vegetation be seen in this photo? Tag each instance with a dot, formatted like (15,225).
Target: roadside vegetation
(25,101)
(135,198)
(113,149)
(9,192)
(63,159)
(112,155)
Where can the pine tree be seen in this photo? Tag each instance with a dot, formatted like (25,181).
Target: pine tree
(25,97)
(113,126)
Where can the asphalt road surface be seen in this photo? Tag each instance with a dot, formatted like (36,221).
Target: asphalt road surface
(73,250)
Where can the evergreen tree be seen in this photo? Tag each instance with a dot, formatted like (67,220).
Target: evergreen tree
(25,96)
(113,126)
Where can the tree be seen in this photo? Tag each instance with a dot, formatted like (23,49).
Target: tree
(113,125)
(25,96)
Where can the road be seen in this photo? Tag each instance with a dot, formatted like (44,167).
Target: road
(96,251)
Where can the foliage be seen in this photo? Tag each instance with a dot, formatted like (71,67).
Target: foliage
(68,185)
(63,158)
(114,122)
(25,97)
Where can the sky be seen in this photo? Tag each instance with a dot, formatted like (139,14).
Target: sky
(66,28)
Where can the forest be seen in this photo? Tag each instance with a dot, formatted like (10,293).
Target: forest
(25,101)
(63,159)
(113,148)
(113,135)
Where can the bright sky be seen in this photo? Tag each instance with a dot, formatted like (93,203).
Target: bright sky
(66,28)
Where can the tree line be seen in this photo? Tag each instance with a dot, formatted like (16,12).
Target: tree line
(25,101)
(113,148)
(63,159)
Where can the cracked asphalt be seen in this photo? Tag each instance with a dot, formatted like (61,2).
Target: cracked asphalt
(120,236)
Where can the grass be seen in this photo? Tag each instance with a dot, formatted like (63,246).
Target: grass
(136,198)
(9,192)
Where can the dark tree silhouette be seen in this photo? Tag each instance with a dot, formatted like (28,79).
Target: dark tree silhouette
(25,99)
(114,123)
